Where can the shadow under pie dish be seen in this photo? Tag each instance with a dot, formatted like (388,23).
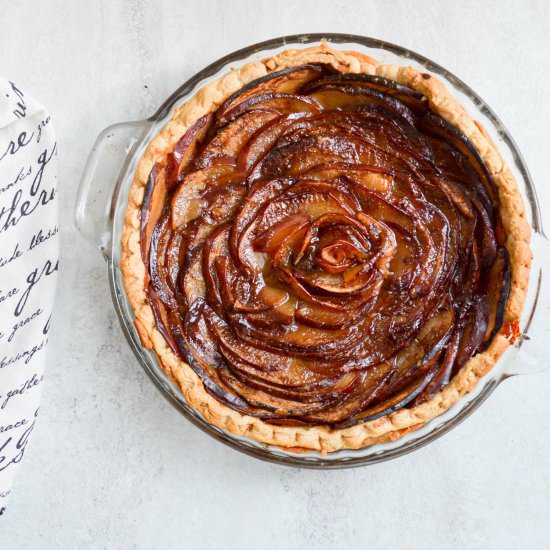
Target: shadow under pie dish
(319,256)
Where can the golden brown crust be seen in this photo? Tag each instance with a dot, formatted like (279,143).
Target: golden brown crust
(324,438)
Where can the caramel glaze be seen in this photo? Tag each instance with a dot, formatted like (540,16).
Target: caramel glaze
(324,249)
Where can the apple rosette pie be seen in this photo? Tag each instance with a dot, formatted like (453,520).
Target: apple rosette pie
(323,251)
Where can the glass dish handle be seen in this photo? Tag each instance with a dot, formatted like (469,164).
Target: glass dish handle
(534,350)
(100,181)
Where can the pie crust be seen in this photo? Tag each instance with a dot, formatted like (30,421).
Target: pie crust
(324,438)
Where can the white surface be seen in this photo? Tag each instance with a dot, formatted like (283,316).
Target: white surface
(112,465)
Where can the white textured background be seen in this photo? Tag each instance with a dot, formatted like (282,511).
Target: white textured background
(111,464)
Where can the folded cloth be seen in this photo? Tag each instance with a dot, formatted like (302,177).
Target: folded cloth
(29,251)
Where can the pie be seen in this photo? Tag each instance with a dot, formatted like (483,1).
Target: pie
(324,252)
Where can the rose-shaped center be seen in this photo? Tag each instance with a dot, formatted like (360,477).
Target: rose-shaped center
(340,255)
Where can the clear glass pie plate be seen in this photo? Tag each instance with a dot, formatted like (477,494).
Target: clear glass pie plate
(102,201)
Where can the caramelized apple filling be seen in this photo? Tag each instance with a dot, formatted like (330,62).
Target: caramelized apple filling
(324,249)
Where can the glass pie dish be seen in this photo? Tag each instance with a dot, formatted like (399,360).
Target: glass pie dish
(102,202)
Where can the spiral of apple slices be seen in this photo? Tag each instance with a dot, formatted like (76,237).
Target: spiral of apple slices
(324,249)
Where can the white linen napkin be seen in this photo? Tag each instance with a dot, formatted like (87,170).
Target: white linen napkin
(29,251)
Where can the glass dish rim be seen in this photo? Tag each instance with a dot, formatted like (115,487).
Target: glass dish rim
(256,449)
